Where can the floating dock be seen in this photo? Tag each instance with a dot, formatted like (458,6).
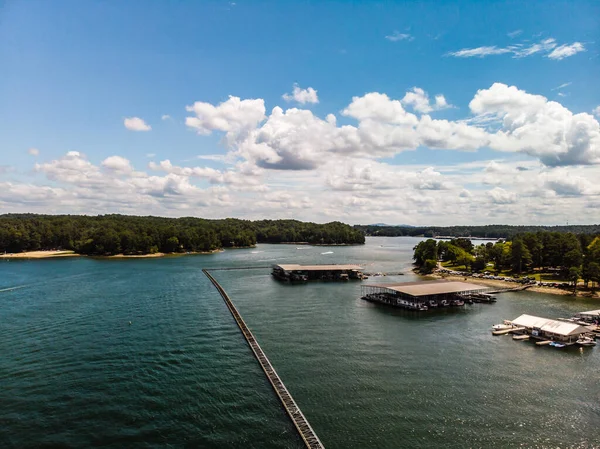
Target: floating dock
(304,273)
(520,337)
(424,295)
(304,429)
(545,331)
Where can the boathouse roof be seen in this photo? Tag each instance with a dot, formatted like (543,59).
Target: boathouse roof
(590,313)
(552,326)
(428,288)
(295,267)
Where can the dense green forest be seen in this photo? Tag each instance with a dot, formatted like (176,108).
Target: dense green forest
(488,231)
(571,256)
(116,234)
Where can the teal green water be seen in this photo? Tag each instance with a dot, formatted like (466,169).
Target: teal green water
(74,373)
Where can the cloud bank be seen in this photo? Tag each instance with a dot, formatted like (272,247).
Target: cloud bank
(294,163)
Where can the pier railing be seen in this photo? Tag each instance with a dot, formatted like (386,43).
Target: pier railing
(304,429)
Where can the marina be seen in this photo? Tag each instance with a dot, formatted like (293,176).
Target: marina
(545,331)
(426,295)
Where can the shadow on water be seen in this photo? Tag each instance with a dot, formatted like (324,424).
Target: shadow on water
(415,315)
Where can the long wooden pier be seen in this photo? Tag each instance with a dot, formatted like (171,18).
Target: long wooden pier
(509,289)
(304,429)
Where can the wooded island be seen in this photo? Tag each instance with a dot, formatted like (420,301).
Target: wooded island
(130,235)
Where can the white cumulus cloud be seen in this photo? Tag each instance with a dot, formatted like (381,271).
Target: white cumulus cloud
(498,195)
(234,116)
(136,124)
(418,99)
(505,118)
(302,96)
(533,125)
(117,164)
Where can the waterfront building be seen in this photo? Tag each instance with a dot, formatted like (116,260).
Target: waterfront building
(304,273)
(550,330)
(423,295)
(589,316)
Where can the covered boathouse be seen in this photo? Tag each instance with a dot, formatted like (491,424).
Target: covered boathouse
(304,273)
(422,295)
(590,316)
(553,330)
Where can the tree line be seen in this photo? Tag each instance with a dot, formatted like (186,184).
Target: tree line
(571,256)
(131,235)
(487,231)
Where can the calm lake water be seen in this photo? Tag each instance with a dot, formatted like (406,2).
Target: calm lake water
(75,373)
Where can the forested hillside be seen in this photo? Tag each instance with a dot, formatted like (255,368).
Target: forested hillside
(487,231)
(116,234)
(572,256)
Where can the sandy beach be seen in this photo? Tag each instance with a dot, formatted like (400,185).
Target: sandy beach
(52,254)
(150,256)
(38,255)
(504,284)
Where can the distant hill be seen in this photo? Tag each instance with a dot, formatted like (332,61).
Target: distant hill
(389,225)
(487,231)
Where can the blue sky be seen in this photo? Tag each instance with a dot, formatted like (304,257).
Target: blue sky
(73,71)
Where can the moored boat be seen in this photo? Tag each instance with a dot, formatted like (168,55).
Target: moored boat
(586,341)
(501,327)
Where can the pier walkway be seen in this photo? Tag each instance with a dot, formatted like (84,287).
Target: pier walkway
(304,429)
(510,289)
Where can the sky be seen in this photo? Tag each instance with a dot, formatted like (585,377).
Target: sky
(421,113)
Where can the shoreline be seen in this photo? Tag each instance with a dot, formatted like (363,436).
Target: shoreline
(39,255)
(36,255)
(504,284)
(159,255)
(311,244)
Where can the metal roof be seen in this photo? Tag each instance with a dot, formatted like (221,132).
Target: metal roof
(426,288)
(590,312)
(553,326)
(295,267)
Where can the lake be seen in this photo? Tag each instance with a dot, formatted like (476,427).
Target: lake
(144,353)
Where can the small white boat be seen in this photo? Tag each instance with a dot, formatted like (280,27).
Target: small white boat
(586,341)
(501,327)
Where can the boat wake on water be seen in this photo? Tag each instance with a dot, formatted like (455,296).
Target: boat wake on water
(328,252)
(12,288)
